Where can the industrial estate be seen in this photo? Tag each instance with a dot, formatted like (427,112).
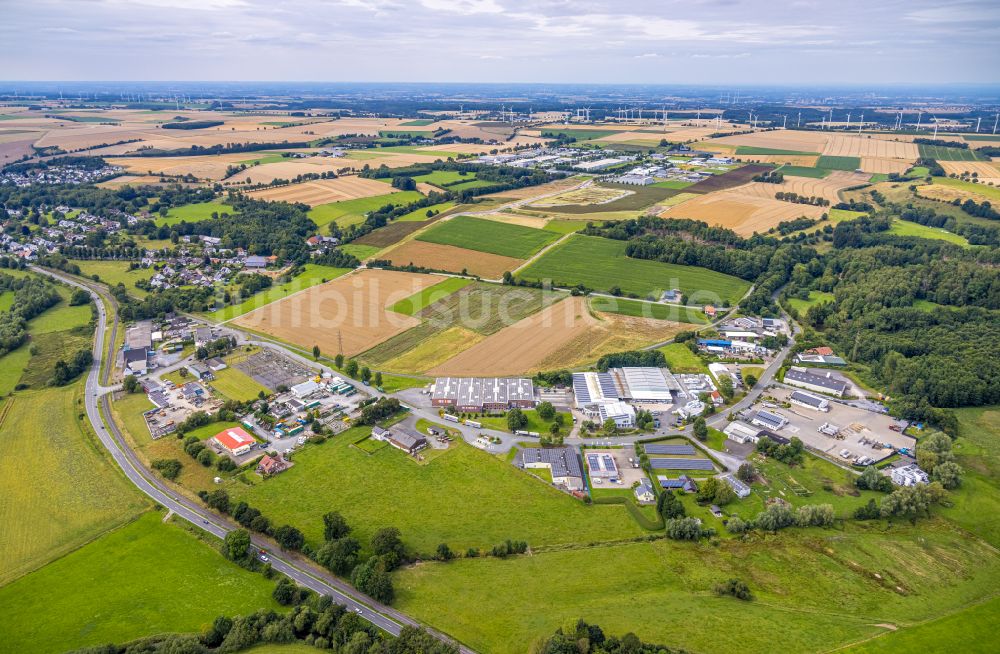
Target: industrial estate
(498,371)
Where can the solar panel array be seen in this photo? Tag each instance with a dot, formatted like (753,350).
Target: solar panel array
(654,448)
(681,464)
(580,389)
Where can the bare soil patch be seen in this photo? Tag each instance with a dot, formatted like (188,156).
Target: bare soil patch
(451,258)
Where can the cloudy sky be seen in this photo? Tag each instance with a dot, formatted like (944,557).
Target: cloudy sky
(629,41)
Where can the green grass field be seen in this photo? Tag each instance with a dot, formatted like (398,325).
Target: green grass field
(565,226)
(578,134)
(849,164)
(749,150)
(142,579)
(648,310)
(193,212)
(681,359)
(601,264)
(977,507)
(352,212)
(420,301)
(488,236)
(312,275)
(992,192)
(804,171)
(420,215)
(6,300)
(673,183)
(113,273)
(12,365)
(535,423)
(815,297)
(362,252)
(942,153)
(443,178)
(237,385)
(464,497)
(814,590)
(62,316)
(59,488)
(420,122)
(395,132)
(906,228)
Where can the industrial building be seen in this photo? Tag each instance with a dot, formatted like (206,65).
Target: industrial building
(768,420)
(820,383)
(622,413)
(740,432)
(562,462)
(809,401)
(908,475)
(602,466)
(478,394)
(635,385)
(401,440)
(235,440)
(740,488)
(600,164)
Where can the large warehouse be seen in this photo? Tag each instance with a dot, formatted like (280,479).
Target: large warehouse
(637,385)
(478,394)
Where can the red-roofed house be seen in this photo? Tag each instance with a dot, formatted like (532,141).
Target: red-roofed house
(271,466)
(823,351)
(235,439)
(709,311)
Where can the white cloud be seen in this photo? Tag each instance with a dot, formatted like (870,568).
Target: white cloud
(464,7)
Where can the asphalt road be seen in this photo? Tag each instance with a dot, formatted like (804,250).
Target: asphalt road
(301,571)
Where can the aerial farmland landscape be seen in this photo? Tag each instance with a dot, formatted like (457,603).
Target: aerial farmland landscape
(496,327)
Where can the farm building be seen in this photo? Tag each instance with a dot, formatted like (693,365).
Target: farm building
(683,483)
(741,489)
(477,394)
(741,432)
(235,440)
(644,492)
(401,440)
(820,383)
(562,462)
(769,420)
(602,465)
(908,475)
(809,401)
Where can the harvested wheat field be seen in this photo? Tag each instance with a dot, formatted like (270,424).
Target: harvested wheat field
(325,191)
(949,193)
(777,140)
(524,220)
(353,308)
(985,170)
(884,165)
(206,167)
(859,146)
(523,346)
(527,192)
(451,258)
(825,187)
(807,160)
(614,333)
(588,195)
(741,212)
(563,335)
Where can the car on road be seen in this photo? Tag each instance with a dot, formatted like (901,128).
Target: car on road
(263,557)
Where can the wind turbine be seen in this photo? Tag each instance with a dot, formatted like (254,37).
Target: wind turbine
(784,121)
(995,121)
(861,124)
(919,114)
(798,123)
(848,120)
(978,121)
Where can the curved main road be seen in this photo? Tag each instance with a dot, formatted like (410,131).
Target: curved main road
(301,571)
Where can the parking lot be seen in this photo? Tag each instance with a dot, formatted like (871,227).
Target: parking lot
(854,431)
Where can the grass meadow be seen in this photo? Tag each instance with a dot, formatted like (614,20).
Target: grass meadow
(62,316)
(145,578)
(59,489)
(992,192)
(804,171)
(113,273)
(943,153)
(815,297)
(489,236)
(465,497)
(850,164)
(352,212)
(193,212)
(428,296)
(601,264)
(906,228)
(648,310)
(237,385)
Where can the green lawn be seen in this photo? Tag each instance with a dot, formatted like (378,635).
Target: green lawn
(489,236)
(648,310)
(804,171)
(362,252)
(815,297)
(746,149)
(312,275)
(565,226)
(464,497)
(423,299)
(906,228)
(992,192)
(113,273)
(673,183)
(849,164)
(62,316)
(601,264)
(972,631)
(535,423)
(352,212)
(976,507)
(443,178)
(237,385)
(193,212)
(12,365)
(814,590)
(396,383)
(420,215)
(59,489)
(942,153)
(145,578)
(681,359)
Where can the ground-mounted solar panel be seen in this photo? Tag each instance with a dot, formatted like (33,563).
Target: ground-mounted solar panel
(654,448)
(681,464)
